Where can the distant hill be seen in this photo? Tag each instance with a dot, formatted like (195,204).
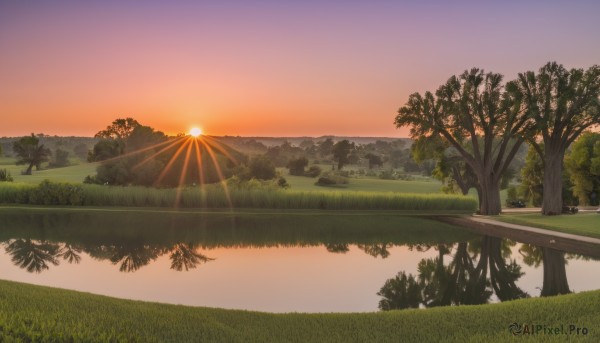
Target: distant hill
(272,141)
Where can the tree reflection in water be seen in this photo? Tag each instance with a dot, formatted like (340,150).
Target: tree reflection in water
(185,256)
(37,256)
(33,256)
(555,275)
(475,271)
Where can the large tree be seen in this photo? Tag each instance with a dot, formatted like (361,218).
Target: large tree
(477,116)
(563,104)
(30,152)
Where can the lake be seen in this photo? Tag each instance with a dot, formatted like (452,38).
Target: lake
(299,261)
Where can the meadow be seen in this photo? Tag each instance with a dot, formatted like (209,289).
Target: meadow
(42,314)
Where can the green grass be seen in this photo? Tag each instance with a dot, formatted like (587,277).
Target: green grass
(365,184)
(73,174)
(586,224)
(41,314)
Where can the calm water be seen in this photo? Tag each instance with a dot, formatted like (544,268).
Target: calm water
(279,262)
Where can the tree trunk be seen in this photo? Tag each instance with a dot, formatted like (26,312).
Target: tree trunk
(28,171)
(555,275)
(489,196)
(553,166)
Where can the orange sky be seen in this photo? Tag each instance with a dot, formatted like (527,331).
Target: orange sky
(261,68)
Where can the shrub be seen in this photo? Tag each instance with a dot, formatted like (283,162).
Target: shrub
(313,171)
(5,176)
(330,179)
(296,166)
(50,193)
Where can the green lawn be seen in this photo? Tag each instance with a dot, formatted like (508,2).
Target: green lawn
(75,173)
(41,314)
(586,224)
(303,183)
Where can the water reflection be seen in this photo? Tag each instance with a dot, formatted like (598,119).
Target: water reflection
(311,257)
(469,273)
(37,256)
(33,256)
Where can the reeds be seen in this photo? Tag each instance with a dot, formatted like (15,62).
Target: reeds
(215,196)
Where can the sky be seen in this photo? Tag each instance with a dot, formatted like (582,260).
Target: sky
(264,68)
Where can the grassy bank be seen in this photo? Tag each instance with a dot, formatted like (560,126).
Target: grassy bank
(214,196)
(585,224)
(34,313)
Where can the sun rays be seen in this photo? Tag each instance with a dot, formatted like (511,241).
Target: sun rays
(185,149)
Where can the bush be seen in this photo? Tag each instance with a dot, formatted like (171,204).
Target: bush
(313,171)
(330,179)
(50,193)
(296,166)
(5,176)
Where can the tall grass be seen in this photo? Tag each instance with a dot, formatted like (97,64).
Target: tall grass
(214,196)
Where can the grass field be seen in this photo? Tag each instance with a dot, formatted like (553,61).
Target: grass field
(586,224)
(74,174)
(41,314)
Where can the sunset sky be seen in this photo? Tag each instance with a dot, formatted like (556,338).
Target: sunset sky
(264,68)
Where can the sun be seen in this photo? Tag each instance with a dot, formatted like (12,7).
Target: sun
(195,132)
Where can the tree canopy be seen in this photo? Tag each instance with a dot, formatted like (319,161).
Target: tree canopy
(30,152)
(563,103)
(479,117)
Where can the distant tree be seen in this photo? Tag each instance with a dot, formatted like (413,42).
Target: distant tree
(477,116)
(313,171)
(106,149)
(296,166)
(341,152)
(261,168)
(81,151)
(532,178)
(119,129)
(61,158)
(563,103)
(326,147)
(30,152)
(583,166)
(374,160)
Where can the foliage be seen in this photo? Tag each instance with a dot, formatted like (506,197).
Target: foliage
(214,196)
(532,177)
(296,166)
(30,152)
(61,159)
(480,118)
(105,149)
(36,313)
(261,167)
(341,152)
(5,176)
(563,103)
(374,160)
(331,179)
(583,165)
(119,129)
(81,151)
(46,193)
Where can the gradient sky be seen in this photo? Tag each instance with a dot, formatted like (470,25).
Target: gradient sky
(264,68)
